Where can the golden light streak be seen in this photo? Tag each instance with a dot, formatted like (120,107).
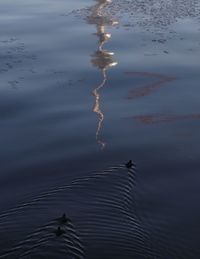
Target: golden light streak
(101,59)
(96,109)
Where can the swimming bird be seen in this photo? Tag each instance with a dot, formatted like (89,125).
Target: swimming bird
(63,219)
(59,231)
(129,164)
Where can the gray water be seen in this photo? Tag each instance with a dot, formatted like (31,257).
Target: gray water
(85,86)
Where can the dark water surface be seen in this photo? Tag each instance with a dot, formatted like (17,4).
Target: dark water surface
(86,86)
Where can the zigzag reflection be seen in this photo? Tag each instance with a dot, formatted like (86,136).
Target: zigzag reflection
(101,59)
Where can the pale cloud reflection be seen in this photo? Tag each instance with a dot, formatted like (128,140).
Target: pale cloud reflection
(147,89)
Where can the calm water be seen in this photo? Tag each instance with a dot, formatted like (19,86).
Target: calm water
(85,86)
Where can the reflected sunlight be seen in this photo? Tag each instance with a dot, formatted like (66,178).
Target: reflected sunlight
(101,59)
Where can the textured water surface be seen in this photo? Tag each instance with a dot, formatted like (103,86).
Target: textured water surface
(85,86)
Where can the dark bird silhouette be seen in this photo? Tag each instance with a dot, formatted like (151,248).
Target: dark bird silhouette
(129,164)
(63,219)
(59,231)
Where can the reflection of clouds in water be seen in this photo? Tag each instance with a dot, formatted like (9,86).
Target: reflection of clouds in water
(164,118)
(150,87)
